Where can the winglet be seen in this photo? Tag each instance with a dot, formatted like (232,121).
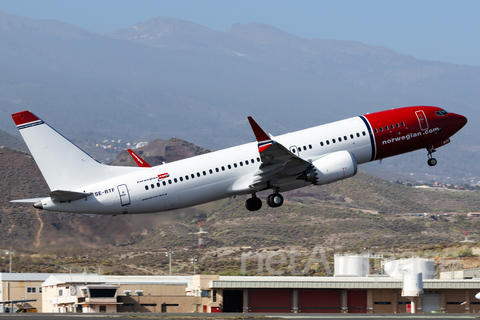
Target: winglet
(140,162)
(263,139)
(23,117)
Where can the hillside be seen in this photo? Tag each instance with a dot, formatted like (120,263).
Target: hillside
(350,215)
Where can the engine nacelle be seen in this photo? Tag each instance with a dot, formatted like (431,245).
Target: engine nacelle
(333,167)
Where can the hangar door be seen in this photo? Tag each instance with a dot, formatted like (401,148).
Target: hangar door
(431,301)
(232,300)
(270,300)
(320,301)
(357,301)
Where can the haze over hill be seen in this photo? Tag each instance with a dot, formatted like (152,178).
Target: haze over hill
(166,78)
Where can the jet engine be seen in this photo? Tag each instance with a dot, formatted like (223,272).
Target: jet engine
(333,167)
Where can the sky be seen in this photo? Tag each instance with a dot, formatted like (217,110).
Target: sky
(436,30)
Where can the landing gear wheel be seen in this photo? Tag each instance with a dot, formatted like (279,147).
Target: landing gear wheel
(432,161)
(253,204)
(275,200)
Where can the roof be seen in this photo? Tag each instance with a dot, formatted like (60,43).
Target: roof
(226,282)
(81,278)
(24,276)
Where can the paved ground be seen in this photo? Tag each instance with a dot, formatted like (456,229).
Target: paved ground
(231,316)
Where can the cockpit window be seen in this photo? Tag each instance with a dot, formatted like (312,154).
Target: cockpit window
(441,113)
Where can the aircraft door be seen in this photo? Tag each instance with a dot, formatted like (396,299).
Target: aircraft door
(124,195)
(422,120)
(295,150)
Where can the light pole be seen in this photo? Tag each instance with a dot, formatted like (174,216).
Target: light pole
(11,252)
(194,260)
(169,255)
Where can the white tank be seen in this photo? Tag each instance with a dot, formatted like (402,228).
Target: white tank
(412,284)
(397,268)
(351,265)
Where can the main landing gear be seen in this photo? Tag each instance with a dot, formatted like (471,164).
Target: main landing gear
(431,160)
(274,200)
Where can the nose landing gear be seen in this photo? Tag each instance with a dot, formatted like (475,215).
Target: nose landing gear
(431,160)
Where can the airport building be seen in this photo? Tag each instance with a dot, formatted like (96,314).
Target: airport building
(402,286)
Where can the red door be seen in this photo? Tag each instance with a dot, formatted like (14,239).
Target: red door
(357,301)
(270,300)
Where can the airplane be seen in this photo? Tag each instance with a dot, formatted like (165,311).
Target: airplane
(313,156)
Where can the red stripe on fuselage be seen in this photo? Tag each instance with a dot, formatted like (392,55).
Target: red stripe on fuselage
(413,134)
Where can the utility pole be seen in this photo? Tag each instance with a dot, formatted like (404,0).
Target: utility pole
(169,254)
(194,260)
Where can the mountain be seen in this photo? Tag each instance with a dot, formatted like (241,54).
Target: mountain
(166,77)
(361,212)
(12,142)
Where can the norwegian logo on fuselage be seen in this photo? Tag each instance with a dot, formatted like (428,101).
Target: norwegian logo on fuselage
(163,176)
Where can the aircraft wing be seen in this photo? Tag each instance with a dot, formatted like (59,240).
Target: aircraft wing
(278,163)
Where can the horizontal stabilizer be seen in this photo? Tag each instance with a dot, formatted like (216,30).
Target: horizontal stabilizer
(64,196)
(34,200)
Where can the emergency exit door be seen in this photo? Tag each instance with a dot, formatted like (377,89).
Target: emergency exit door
(124,195)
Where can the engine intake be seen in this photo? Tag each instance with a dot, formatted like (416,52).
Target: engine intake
(333,167)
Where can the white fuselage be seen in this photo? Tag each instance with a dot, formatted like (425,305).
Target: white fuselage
(212,176)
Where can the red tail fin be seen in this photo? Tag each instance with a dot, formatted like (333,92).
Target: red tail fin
(140,162)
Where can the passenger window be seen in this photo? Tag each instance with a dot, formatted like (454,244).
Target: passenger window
(223,168)
(169,181)
(375,130)
(246,162)
(152,186)
(235,165)
(351,136)
(211,171)
(186,177)
(403,124)
(198,174)
(293,150)
(181,178)
(164,183)
(328,142)
(339,139)
(396,125)
(258,159)
(204,173)
(333,140)
(358,135)
(310,146)
(321,143)
(386,128)
(158,184)
(193,176)
(229,167)
(381,129)
(363,132)
(146,187)
(253,161)
(391,126)
(175,180)
(216,169)
(304,148)
(241,163)
(344,137)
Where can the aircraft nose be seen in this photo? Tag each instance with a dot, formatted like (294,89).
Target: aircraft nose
(460,120)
